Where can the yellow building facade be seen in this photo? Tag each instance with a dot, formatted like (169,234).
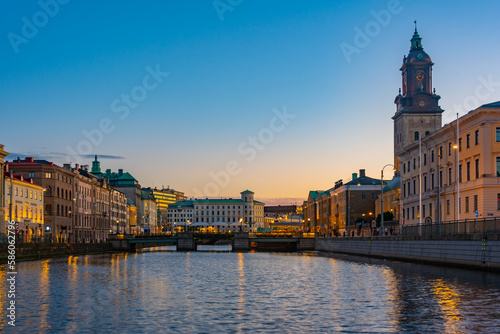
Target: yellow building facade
(27,207)
(463,169)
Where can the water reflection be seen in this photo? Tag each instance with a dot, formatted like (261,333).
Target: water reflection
(449,302)
(250,292)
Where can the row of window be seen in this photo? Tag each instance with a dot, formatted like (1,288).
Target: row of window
(218,207)
(24,211)
(25,193)
(202,213)
(408,165)
(468,208)
(450,177)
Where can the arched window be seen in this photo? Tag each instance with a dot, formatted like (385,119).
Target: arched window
(427,133)
(66,193)
(58,208)
(416,135)
(57,191)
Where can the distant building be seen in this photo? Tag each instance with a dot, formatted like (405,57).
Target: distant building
(27,206)
(164,197)
(227,213)
(149,214)
(281,214)
(345,208)
(127,184)
(59,185)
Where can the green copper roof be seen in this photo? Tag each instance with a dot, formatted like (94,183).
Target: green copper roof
(247,192)
(491,105)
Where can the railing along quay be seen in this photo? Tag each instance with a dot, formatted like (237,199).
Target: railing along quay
(490,225)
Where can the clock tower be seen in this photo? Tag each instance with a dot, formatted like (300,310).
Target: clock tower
(418,112)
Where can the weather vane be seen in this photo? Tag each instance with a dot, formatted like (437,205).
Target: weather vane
(415,24)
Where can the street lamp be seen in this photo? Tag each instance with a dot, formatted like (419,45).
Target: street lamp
(382,196)
(241,221)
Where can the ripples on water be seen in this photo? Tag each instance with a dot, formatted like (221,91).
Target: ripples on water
(201,292)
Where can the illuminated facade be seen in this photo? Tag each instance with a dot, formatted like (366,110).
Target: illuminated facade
(224,213)
(347,207)
(149,211)
(119,215)
(3,206)
(27,206)
(478,150)
(59,184)
(132,220)
(164,197)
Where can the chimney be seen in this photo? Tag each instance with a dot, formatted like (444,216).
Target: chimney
(361,173)
(77,166)
(120,172)
(30,159)
(354,176)
(67,166)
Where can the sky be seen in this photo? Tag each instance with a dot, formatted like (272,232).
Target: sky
(215,97)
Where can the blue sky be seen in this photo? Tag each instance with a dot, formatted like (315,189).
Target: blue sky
(224,71)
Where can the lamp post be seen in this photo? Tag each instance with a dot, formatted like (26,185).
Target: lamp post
(382,197)
(241,221)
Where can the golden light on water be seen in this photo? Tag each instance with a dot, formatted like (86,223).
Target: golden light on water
(449,302)
(44,293)
(241,290)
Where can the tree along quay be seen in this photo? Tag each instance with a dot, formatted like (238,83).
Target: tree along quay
(472,251)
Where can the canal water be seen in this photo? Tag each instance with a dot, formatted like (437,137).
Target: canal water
(227,292)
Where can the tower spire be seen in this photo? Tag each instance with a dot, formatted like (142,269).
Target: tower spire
(96,167)
(416,40)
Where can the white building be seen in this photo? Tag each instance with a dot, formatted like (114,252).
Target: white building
(149,214)
(221,214)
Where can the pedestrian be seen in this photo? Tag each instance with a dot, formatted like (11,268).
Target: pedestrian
(385,231)
(377,231)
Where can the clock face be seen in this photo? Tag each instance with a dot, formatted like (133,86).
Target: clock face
(421,103)
(420,75)
(420,56)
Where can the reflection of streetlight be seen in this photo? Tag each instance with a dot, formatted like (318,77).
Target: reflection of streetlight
(382,197)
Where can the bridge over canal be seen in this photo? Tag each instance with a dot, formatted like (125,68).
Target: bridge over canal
(242,241)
